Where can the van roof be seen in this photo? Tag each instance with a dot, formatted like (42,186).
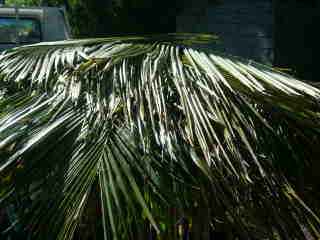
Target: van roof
(25,11)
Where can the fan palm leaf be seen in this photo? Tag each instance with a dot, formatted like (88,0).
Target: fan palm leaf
(150,123)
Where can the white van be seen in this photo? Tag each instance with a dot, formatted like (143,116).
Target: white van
(21,25)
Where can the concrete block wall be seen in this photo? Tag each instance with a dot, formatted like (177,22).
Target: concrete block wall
(243,26)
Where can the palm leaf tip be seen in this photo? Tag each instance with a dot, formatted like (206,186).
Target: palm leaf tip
(144,122)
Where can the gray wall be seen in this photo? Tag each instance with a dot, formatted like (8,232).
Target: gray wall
(243,26)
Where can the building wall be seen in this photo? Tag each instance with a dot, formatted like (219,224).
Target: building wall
(244,27)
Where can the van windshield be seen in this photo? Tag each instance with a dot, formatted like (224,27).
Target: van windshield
(22,30)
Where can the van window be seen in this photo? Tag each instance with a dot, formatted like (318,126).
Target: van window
(8,31)
(23,30)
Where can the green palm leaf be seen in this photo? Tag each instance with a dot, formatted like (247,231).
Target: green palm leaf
(151,123)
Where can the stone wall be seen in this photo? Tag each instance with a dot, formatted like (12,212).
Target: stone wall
(243,26)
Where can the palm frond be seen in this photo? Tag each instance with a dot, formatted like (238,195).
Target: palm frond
(149,123)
